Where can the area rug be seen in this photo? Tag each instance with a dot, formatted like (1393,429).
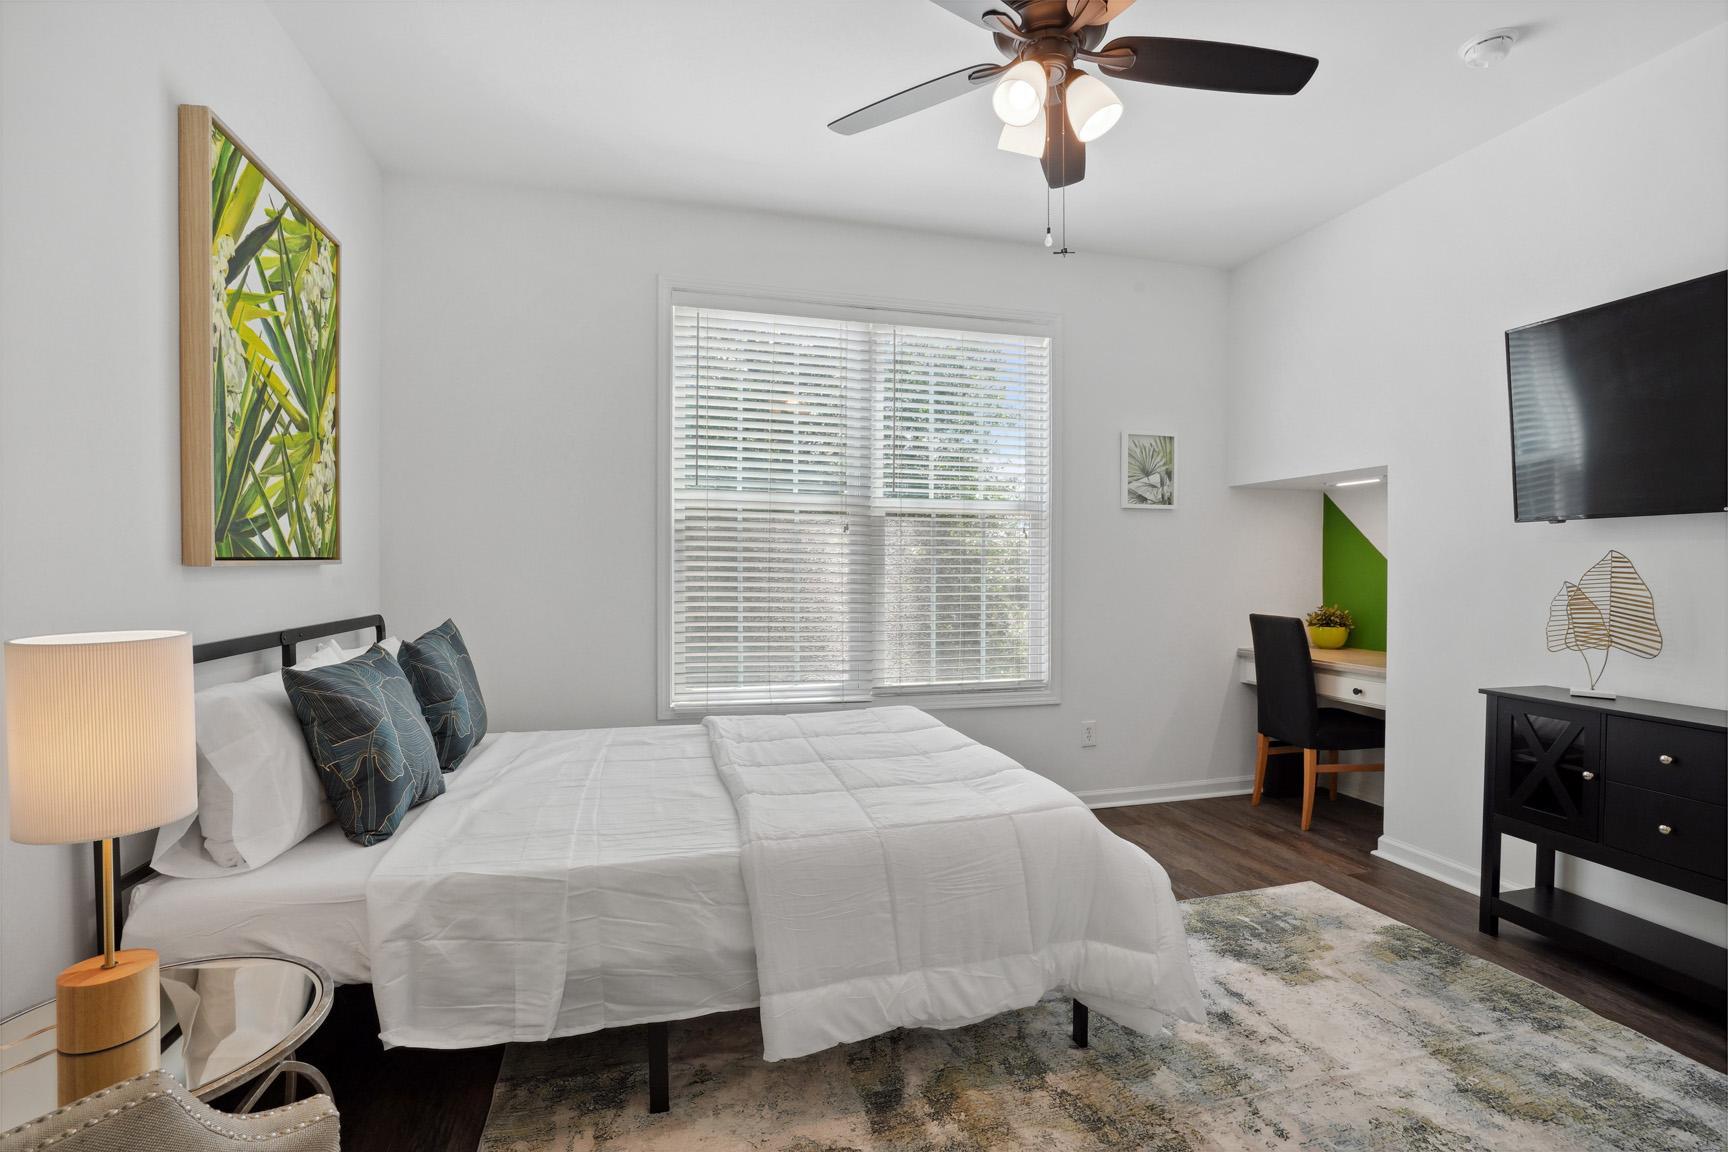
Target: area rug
(1328,1026)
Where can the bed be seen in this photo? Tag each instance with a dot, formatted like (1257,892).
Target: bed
(847,873)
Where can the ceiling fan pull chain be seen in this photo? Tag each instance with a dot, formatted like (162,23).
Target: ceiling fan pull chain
(1049,239)
(1064,250)
(1061,141)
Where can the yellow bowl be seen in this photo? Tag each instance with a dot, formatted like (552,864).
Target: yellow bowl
(1327,637)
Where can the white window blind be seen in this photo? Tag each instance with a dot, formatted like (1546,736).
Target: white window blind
(858,510)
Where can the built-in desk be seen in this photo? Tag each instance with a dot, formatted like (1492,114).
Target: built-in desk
(1346,675)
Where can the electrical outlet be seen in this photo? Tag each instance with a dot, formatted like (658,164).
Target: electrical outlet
(1088,733)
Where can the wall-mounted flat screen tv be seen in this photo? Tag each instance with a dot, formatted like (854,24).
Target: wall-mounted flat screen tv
(1622,409)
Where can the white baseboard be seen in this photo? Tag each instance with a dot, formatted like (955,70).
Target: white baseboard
(1166,793)
(1423,861)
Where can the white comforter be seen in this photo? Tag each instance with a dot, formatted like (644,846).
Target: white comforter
(902,874)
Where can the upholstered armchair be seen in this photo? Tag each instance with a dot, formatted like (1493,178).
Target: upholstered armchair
(153,1111)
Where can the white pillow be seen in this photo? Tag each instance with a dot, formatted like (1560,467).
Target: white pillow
(258,791)
(390,644)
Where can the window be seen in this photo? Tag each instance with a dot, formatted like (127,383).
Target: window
(859,510)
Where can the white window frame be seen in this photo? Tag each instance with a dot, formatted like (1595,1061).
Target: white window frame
(696,293)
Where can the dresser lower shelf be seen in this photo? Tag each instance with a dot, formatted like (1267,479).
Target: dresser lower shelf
(1691,966)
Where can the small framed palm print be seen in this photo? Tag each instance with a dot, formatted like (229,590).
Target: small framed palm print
(1148,470)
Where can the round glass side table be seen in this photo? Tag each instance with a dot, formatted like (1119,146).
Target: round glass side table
(226,1021)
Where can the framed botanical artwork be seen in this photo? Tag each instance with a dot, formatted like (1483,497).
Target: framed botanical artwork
(260,356)
(1148,470)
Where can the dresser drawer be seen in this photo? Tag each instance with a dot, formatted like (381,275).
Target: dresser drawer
(1667,758)
(1356,689)
(1633,819)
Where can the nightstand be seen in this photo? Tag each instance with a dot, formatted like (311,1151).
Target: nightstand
(226,1022)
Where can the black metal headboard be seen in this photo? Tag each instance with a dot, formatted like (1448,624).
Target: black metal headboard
(288,641)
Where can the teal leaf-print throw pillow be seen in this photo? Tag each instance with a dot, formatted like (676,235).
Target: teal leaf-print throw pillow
(439,667)
(368,740)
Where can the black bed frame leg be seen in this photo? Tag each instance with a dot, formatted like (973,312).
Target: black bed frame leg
(1082,1025)
(659,1056)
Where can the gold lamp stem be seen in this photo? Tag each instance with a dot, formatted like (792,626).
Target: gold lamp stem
(107,1009)
(108,960)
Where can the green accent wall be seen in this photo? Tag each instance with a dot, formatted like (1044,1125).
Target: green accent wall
(1353,574)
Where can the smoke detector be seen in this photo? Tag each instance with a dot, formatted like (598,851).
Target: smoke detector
(1488,49)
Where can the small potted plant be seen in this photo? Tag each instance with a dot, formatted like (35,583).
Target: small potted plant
(1329,626)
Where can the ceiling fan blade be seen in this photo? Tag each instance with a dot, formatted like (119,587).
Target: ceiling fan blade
(1064,152)
(979,12)
(1205,64)
(1086,13)
(916,99)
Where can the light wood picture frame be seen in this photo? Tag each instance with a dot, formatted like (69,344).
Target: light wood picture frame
(1147,471)
(260,360)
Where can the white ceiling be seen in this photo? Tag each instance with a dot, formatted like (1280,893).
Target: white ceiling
(726,102)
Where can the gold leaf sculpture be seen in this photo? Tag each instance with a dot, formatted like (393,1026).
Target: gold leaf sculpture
(1610,607)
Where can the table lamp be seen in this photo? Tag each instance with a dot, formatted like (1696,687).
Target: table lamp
(100,743)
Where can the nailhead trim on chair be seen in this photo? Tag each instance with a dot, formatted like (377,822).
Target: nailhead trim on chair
(185,1106)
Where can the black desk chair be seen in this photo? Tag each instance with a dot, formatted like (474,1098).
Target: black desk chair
(1290,712)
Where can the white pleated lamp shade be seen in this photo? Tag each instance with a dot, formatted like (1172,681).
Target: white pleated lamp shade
(100,740)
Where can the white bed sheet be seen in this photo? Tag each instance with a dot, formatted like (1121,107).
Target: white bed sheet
(655,924)
(566,882)
(309,902)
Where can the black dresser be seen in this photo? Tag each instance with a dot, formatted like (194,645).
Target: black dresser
(1637,785)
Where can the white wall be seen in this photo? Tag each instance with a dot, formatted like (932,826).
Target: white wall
(89,377)
(1389,320)
(519,488)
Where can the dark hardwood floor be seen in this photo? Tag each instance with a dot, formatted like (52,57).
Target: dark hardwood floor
(437,1101)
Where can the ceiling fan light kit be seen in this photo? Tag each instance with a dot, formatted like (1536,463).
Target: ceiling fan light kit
(1020,94)
(1092,108)
(1026,139)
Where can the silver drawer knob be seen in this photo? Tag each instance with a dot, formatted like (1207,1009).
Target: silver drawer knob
(1664,829)
(1588,775)
(1664,759)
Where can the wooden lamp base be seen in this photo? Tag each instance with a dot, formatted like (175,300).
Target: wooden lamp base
(79,1075)
(98,1008)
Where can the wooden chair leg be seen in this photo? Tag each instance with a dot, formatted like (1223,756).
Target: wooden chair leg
(1332,758)
(1310,770)
(1262,748)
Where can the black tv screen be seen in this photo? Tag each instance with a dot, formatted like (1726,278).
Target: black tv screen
(1622,409)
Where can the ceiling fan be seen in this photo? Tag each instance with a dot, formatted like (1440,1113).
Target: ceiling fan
(1049,108)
